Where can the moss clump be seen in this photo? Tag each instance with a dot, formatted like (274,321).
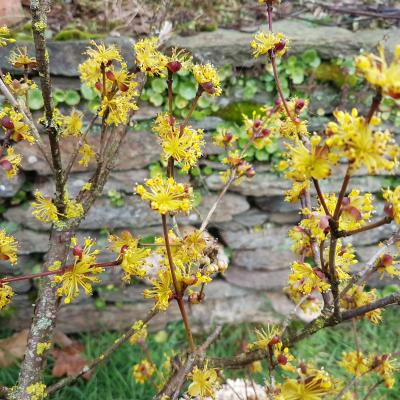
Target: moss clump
(234,111)
(76,34)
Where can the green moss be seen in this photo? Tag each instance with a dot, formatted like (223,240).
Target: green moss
(327,72)
(76,34)
(233,112)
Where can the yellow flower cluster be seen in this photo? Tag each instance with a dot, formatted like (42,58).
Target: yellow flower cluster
(356,140)
(4,36)
(161,292)
(20,59)
(358,297)
(238,165)
(10,162)
(81,275)
(8,247)
(378,73)
(207,77)
(183,145)
(148,58)
(71,125)
(12,123)
(87,153)
(393,199)
(166,195)
(140,332)
(305,279)
(6,294)
(116,85)
(313,384)
(355,363)
(19,87)
(204,382)
(268,42)
(143,371)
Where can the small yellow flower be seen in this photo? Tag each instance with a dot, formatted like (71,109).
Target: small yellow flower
(44,209)
(4,36)
(204,382)
(72,124)
(305,279)
(8,247)
(148,58)
(12,122)
(6,294)
(385,365)
(133,262)
(73,209)
(81,274)
(265,338)
(378,73)
(265,42)
(161,291)
(207,77)
(354,362)
(392,198)
(11,162)
(36,391)
(87,153)
(143,371)
(140,332)
(166,195)
(20,59)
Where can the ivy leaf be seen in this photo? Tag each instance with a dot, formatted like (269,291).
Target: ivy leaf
(261,155)
(59,95)
(72,97)
(88,93)
(187,91)
(35,99)
(311,58)
(156,99)
(158,85)
(180,102)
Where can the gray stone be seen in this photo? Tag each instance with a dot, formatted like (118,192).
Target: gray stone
(257,280)
(225,46)
(266,236)
(121,181)
(276,204)
(65,56)
(231,204)
(32,241)
(138,150)
(262,258)
(9,187)
(373,236)
(208,123)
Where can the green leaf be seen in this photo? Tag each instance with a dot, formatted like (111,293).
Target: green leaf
(35,99)
(93,105)
(180,102)
(187,91)
(156,99)
(311,58)
(204,102)
(159,85)
(59,95)
(207,171)
(297,76)
(196,198)
(88,93)
(262,155)
(72,97)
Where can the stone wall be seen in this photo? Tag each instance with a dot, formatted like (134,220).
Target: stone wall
(252,220)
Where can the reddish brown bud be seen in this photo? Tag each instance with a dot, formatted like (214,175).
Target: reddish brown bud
(275,340)
(109,62)
(77,251)
(208,87)
(7,123)
(265,132)
(282,359)
(174,66)
(300,103)
(110,75)
(345,201)
(319,273)
(324,222)
(250,172)
(394,95)
(123,87)
(194,298)
(5,164)
(297,120)
(256,124)
(228,137)
(303,367)
(124,249)
(355,213)
(99,86)
(388,210)
(280,45)
(387,260)
(278,102)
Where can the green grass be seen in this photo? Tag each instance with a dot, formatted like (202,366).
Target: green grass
(113,381)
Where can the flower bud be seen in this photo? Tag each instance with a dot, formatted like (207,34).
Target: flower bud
(324,222)
(256,124)
(5,164)
(77,251)
(110,75)
(387,260)
(280,45)
(278,102)
(174,66)
(194,298)
(7,123)
(275,340)
(190,280)
(250,172)
(300,103)
(265,132)
(124,249)
(388,210)
(123,87)
(208,87)
(282,359)
(99,86)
